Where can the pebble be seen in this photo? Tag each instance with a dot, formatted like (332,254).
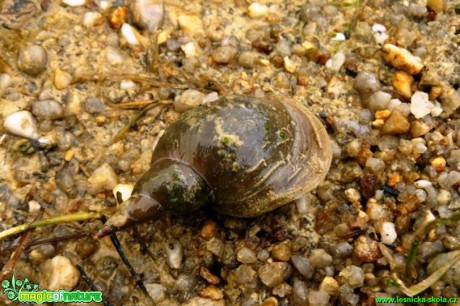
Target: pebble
(32,59)
(320,259)
(60,273)
(380,33)
(248,59)
(74,2)
(353,276)
(281,252)
(366,249)
(318,298)
(388,233)
(91,19)
(329,285)
(245,275)
(5,81)
(336,61)
(62,79)
(402,59)
(379,101)
(246,255)
(118,17)
(208,276)
(402,82)
(191,24)
(342,249)
(103,178)
(208,230)
(129,34)
(376,165)
(419,128)
(300,292)
(156,292)
(211,292)
(289,65)
(189,99)
(189,49)
(47,109)
(420,104)
(148,14)
(395,124)
(224,54)
(122,192)
(257,10)
(347,295)
(352,195)
(174,253)
(303,265)
(94,106)
(436,5)
(444,197)
(367,83)
(22,124)
(274,273)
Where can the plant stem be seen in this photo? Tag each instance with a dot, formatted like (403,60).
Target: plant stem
(50,221)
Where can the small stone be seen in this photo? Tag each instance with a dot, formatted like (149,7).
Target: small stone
(127,84)
(420,106)
(388,233)
(274,273)
(271,301)
(352,195)
(156,292)
(60,273)
(380,33)
(335,62)
(318,298)
(329,285)
(189,99)
(376,165)
(174,253)
(395,124)
(246,255)
(92,19)
(148,14)
(281,252)
(367,83)
(379,101)
(257,10)
(189,50)
(74,2)
(32,59)
(118,17)
(122,192)
(191,24)
(208,276)
(402,59)
(289,64)
(320,259)
(22,124)
(444,197)
(62,79)
(303,265)
(103,178)
(211,292)
(382,114)
(129,34)
(248,59)
(402,82)
(366,249)
(224,54)
(439,163)
(419,128)
(436,5)
(353,276)
(245,275)
(47,109)
(208,230)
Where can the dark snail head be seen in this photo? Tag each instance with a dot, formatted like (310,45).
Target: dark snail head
(242,155)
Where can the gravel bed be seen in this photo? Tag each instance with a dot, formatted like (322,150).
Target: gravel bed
(383,76)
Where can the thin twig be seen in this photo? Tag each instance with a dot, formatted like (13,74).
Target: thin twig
(90,283)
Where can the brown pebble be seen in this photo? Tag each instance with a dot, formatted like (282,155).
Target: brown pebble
(263,44)
(364,154)
(419,128)
(224,54)
(411,204)
(395,124)
(366,249)
(118,17)
(208,230)
(281,252)
(211,292)
(402,82)
(271,301)
(208,276)
(368,185)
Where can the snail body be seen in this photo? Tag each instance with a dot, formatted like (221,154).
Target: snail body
(243,155)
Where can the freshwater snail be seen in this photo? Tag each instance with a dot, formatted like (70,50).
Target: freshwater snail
(243,155)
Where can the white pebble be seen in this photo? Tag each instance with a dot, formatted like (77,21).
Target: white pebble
(90,18)
(156,292)
(257,10)
(127,84)
(289,65)
(422,183)
(437,109)
(5,81)
(339,37)
(114,56)
(74,2)
(388,233)
(302,204)
(129,34)
(419,145)
(444,197)
(189,99)
(394,103)
(211,97)
(380,34)
(352,195)
(124,190)
(420,106)
(189,49)
(22,124)
(421,195)
(34,206)
(61,273)
(336,61)
(174,254)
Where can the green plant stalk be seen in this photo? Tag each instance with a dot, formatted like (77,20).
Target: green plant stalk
(50,221)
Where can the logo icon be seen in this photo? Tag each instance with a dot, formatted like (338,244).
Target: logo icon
(12,288)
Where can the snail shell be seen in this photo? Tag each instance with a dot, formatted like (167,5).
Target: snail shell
(243,155)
